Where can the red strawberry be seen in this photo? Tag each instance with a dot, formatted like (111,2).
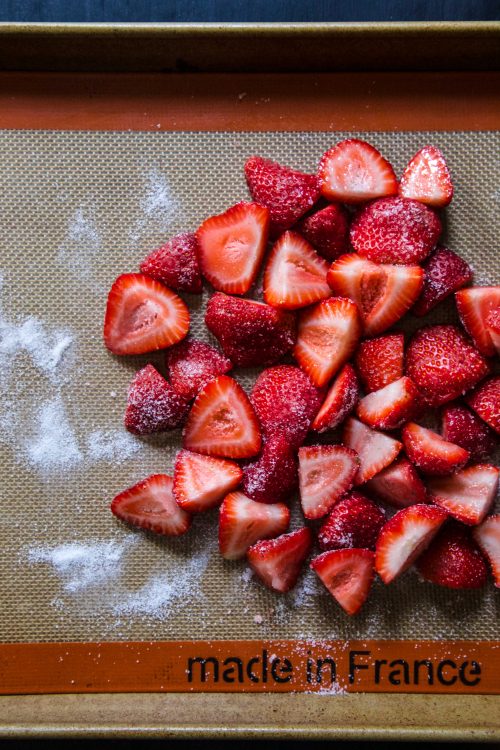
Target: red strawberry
(142,316)
(192,364)
(327,230)
(391,406)
(328,334)
(383,293)
(250,333)
(474,305)
(395,230)
(485,400)
(151,505)
(278,562)
(355,521)
(467,495)
(222,422)
(242,522)
(353,171)
(380,361)
(427,178)
(464,428)
(404,537)
(375,450)
(152,404)
(443,363)
(339,402)
(326,472)
(274,475)
(176,264)
(430,453)
(487,535)
(201,482)
(445,272)
(347,574)
(453,559)
(493,326)
(231,246)
(398,485)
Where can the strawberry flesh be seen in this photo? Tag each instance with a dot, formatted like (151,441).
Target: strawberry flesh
(375,449)
(474,305)
(453,559)
(339,402)
(462,427)
(176,264)
(467,495)
(326,472)
(427,178)
(430,453)
(278,562)
(380,361)
(347,574)
(485,400)
(273,477)
(355,521)
(202,482)
(391,406)
(487,535)
(192,364)
(150,504)
(493,326)
(327,230)
(444,273)
(242,522)
(399,485)
(152,404)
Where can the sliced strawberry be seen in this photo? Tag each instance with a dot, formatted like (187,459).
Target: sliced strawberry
(391,406)
(347,574)
(176,264)
(355,521)
(444,273)
(395,230)
(326,472)
(242,522)
(295,274)
(152,404)
(427,178)
(380,361)
(327,230)
(375,450)
(192,364)
(328,334)
(487,535)
(485,400)
(383,293)
(202,482)
(453,559)
(474,305)
(250,333)
(274,475)
(464,428)
(493,326)
(467,495)
(278,562)
(404,537)
(339,402)
(353,171)
(142,316)
(231,246)
(399,485)
(430,453)
(222,422)
(150,504)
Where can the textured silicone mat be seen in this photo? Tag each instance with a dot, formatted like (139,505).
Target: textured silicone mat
(77,209)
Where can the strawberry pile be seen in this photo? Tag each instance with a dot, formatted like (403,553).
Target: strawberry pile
(353,250)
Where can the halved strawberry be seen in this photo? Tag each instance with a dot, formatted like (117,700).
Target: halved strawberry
(295,274)
(355,521)
(391,406)
(487,535)
(278,562)
(347,574)
(150,504)
(427,178)
(404,537)
(327,230)
(202,482)
(399,485)
(493,326)
(474,305)
(380,361)
(485,400)
(192,364)
(462,427)
(328,334)
(375,450)
(339,402)
(444,273)
(242,522)
(231,246)
(274,475)
(453,559)
(467,495)
(430,453)
(152,404)
(176,264)
(222,422)
(383,293)
(326,472)
(142,316)
(353,171)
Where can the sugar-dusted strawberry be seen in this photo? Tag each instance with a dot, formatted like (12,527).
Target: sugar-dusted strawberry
(192,364)
(326,472)
(444,273)
(347,574)
(142,315)
(395,230)
(285,402)
(375,449)
(462,427)
(295,274)
(430,453)
(391,406)
(250,333)
(152,404)
(221,422)
(467,495)
(383,293)
(380,361)
(327,230)
(485,400)
(339,402)
(443,363)
(399,485)
(202,482)
(493,326)
(278,562)
(242,522)
(150,504)
(273,476)
(404,537)
(287,193)
(487,535)
(328,334)
(231,246)
(176,264)
(427,178)
(474,305)
(453,559)
(353,171)
(355,521)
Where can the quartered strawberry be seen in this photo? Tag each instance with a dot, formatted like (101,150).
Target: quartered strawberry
(347,574)
(453,559)
(250,333)
(399,485)
(485,400)
(467,495)
(273,476)
(328,334)
(404,537)
(430,453)
(391,406)
(192,364)
(395,230)
(326,472)
(427,178)
(142,315)
(462,427)
(339,402)
(202,482)
(383,293)
(444,273)
(152,404)
(375,449)
(287,193)
(231,246)
(278,562)
(380,361)
(355,521)
(443,363)
(474,305)
(487,535)
(242,522)
(176,264)
(353,171)
(327,230)
(493,326)
(222,422)
(150,504)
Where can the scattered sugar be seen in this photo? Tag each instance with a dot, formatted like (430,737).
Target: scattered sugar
(54,445)
(247,576)
(111,445)
(46,348)
(258,619)
(158,207)
(77,252)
